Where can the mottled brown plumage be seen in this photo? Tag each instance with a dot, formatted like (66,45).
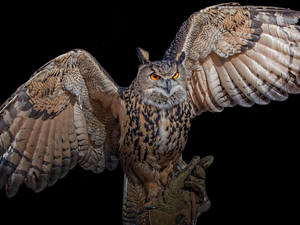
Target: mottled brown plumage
(53,122)
(153,142)
(71,111)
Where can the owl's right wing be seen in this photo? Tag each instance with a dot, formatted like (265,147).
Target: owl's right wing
(67,113)
(239,55)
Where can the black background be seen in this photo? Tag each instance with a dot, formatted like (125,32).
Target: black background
(254,178)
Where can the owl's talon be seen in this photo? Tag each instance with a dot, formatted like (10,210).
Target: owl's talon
(163,195)
(177,167)
(150,207)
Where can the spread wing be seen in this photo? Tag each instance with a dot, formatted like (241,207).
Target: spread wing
(239,55)
(67,113)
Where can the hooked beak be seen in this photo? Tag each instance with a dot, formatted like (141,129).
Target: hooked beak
(168,86)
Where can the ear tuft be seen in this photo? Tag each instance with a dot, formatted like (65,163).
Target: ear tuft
(143,55)
(180,57)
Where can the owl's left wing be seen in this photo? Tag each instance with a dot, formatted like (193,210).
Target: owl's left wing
(239,55)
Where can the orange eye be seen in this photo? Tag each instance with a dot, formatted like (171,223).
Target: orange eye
(176,75)
(154,76)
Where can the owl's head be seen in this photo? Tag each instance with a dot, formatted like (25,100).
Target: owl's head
(162,83)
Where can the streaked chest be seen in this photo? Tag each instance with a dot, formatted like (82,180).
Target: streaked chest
(149,132)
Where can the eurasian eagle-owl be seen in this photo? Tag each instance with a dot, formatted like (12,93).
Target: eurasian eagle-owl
(221,56)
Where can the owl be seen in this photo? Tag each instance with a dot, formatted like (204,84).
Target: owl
(72,112)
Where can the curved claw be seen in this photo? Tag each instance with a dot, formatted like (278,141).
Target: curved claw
(163,195)
(150,207)
(177,167)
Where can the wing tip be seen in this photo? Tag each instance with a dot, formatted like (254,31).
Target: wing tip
(274,15)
